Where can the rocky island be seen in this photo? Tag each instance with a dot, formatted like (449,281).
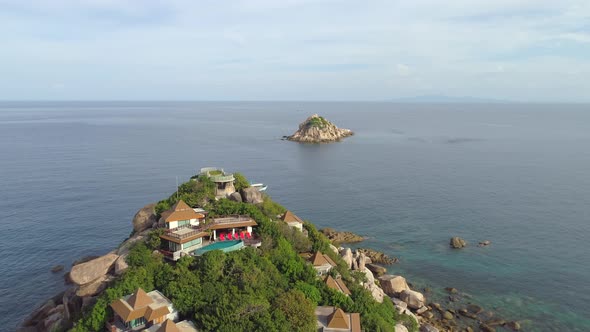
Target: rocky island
(202,261)
(316,129)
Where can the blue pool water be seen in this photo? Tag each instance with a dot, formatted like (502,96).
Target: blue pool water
(225,246)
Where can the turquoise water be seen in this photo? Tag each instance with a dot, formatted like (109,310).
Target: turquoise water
(225,246)
(414,175)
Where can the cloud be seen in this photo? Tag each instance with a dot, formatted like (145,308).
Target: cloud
(295,49)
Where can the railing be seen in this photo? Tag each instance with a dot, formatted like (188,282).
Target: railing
(222,178)
(173,232)
(231,219)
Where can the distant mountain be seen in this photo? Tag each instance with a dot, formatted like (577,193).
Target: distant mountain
(447,99)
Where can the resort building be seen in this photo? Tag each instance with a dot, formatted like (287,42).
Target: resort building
(170,326)
(184,230)
(332,319)
(140,310)
(224,182)
(337,284)
(322,263)
(231,227)
(292,220)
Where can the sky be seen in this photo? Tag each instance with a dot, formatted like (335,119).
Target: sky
(522,50)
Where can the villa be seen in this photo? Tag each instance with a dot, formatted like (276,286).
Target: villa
(184,230)
(322,263)
(137,311)
(170,326)
(332,319)
(224,182)
(187,233)
(292,220)
(337,284)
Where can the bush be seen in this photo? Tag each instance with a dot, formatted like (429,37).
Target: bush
(240,181)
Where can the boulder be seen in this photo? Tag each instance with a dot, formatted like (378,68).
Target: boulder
(236,197)
(378,257)
(513,325)
(400,328)
(376,291)
(369,275)
(251,195)
(144,218)
(486,328)
(451,290)
(428,328)
(338,237)
(121,264)
(346,255)
(474,308)
(127,244)
(94,287)
(399,303)
(40,313)
(87,272)
(57,268)
(484,243)
(334,249)
(392,285)
(447,315)
(377,269)
(468,314)
(422,310)
(414,299)
(457,242)
(361,261)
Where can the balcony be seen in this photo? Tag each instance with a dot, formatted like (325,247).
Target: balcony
(184,233)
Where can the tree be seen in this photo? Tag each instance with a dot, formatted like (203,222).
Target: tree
(240,181)
(298,310)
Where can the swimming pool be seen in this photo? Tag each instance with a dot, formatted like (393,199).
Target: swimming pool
(225,246)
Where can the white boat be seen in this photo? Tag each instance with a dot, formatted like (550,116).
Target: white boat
(259,186)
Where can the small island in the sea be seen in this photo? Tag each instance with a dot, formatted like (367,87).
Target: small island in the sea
(316,129)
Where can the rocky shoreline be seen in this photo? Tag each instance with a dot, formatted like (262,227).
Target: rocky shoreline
(90,276)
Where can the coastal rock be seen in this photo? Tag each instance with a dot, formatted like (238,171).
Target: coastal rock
(236,197)
(40,313)
(428,328)
(121,264)
(451,290)
(376,291)
(447,315)
(361,261)
(399,303)
(468,314)
(369,275)
(251,195)
(127,244)
(486,328)
(474,308)
(57,268)
(484,243)
(346,255)
(515,326)
(414,299)
(93,287)
(338,237)
(377,269)
(87,272)
(393,285)
(317,129)
(378,257)
(334,249)
(422,310)
(400,328)
(144,218)
(457,242)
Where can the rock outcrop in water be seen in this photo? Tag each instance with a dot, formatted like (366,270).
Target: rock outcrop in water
(317,129)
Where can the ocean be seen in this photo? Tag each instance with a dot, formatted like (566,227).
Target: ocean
(73,174)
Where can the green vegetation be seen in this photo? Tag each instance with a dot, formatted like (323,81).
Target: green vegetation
(240,181)
(215,172)
(267,289)
(197,192)
(319,122)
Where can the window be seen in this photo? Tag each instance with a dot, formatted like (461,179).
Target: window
(183,223)
(192,243)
